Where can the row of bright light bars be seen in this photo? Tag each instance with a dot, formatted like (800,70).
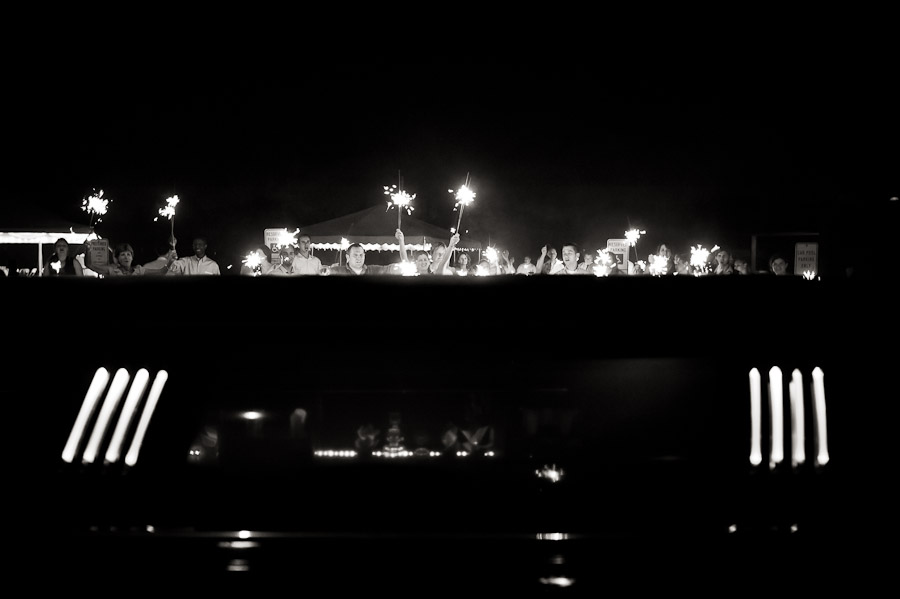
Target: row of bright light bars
(776,414)
(108,409)
(349,453)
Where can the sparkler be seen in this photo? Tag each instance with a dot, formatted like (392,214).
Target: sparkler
(809,275)
(254,263)
(605,263)
(168,211)
(408,269)
(95,205)
(700,258)
(659,264)
(464,196)
(400,199)
(632,235)
(286,238)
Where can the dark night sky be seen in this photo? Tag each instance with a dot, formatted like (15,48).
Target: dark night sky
(694,143)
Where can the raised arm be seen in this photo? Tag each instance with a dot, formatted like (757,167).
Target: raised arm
(540,262)
(439,267)
(402,240)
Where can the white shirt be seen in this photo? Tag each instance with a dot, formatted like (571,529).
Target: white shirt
(192,265)
(526,269)
(306,266)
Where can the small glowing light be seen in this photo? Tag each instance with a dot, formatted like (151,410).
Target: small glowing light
(821,424)
(793,528)
(551,473)
(56,266)
(110,404)
(150,529)
(732,529)
(798,432)
(98,384)
(238,565)
(552,536)
(559,581)
(755,418)
(135,393)
(243,534)
(345,243)
(149,406)
(809,275)
(489,454)
(251,415)
(776,409)
(238,544)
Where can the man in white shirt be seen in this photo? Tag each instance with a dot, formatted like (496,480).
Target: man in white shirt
(197,264)
(569,264)
(547,261)
(285,266)
(304,262)
(526,268)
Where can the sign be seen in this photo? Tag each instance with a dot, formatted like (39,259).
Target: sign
(271,240)
(618,248)
(99,249)
(806,258)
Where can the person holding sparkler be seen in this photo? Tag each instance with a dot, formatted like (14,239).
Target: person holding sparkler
(422,260)
(197,264)
(304,261)
(569,264)
(258,262)
(61,262)
(123,264)
(547,261)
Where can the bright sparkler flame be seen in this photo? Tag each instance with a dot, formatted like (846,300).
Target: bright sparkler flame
(253,262)
(809,275)
(605,263)
(659,265)
(633,235)
(56,266)
(408,269)
(464,196)
(400,199)
(169,210)
(491,254)
(345,243)
(700,259)
(95,204)
(286,238)
(481,271)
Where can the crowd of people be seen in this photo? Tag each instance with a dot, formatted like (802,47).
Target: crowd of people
(297,259)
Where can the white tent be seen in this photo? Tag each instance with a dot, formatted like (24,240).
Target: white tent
(41,230)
